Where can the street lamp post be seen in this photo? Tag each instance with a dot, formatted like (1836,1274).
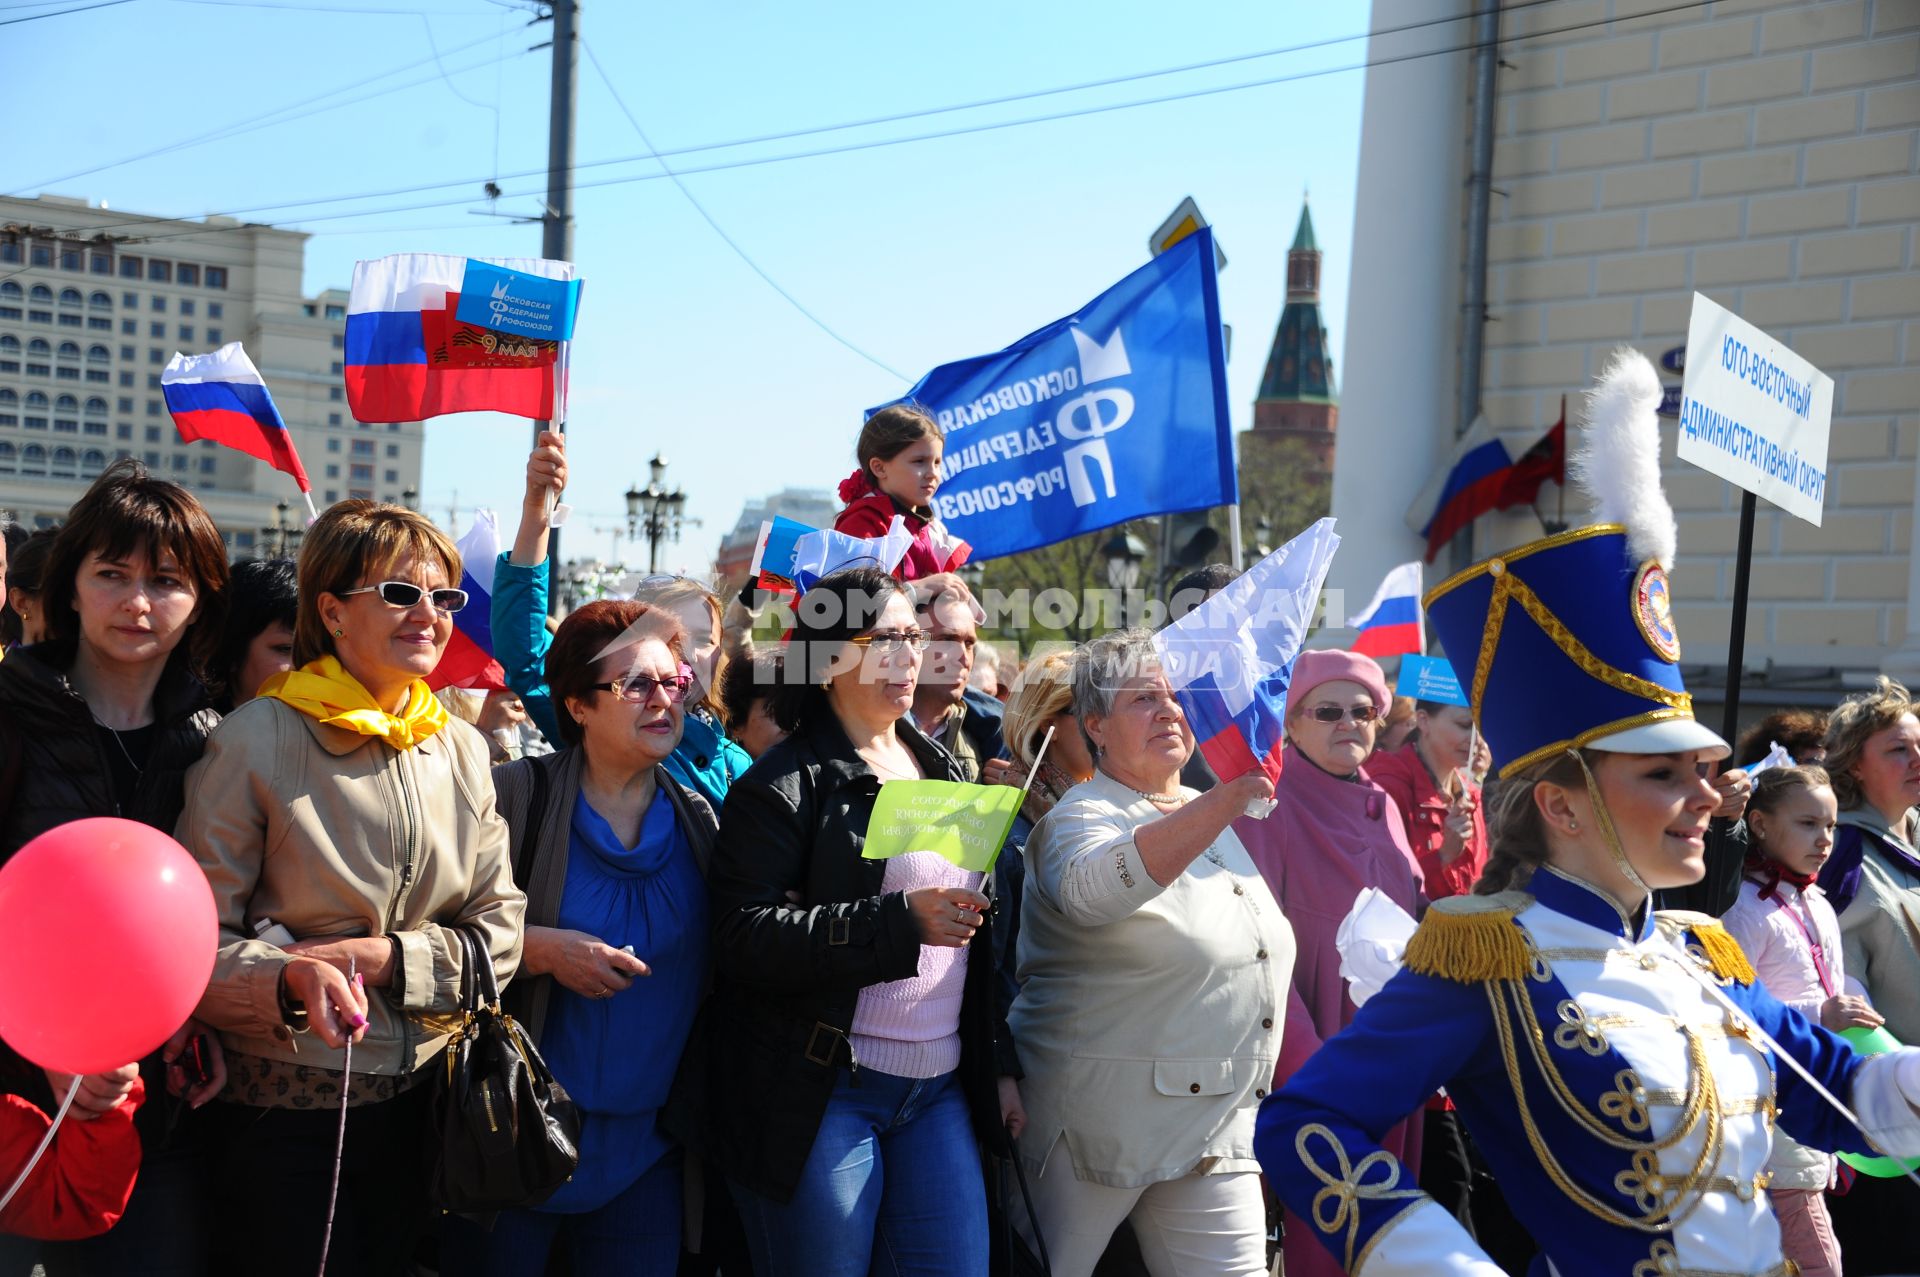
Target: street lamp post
(1124,553)
(282,540)
(659,510)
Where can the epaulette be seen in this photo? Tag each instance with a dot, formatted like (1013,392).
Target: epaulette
(1725,958)
(1472,939)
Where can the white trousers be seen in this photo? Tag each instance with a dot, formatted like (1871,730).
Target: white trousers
(1195,1226)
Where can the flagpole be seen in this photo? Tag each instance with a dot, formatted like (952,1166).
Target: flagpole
(313,515)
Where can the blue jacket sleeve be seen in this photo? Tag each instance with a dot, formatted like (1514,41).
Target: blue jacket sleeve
(520,638)
(1318,1137)
(1804,1114)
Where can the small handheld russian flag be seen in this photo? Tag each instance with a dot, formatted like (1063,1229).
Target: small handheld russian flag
(468,660)
(222,397)
(1392,625)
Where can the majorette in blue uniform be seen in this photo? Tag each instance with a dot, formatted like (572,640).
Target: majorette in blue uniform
(1626,1111)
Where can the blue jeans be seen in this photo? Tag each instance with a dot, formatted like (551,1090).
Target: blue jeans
(892,1188)
(637,1234)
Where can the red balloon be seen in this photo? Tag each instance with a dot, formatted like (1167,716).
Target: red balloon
(107,939)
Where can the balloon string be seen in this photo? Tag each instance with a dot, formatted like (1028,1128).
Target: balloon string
(339,1139)
(73,1089)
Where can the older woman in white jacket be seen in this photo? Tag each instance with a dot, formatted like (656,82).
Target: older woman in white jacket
(1154,968)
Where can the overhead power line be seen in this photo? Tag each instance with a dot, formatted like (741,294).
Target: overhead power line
(725,238)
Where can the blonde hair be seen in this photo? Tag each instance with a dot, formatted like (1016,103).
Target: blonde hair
(1773,786)
(684,589)
(1851,724)
(352,540)
(1042,690)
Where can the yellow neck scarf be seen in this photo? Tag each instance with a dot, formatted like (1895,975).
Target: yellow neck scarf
(324,690)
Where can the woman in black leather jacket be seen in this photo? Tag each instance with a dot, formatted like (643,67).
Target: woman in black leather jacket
(848,1046)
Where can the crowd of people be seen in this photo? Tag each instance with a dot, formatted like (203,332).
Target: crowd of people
(791,1058)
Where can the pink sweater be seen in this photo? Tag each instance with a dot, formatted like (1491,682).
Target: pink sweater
(911,1027)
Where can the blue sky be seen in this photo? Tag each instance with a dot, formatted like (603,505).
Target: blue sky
(917,253)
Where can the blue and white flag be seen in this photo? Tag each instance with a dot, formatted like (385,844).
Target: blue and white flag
(1117,412)
(1230,660)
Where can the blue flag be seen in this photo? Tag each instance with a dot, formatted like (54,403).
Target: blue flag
(1117,412)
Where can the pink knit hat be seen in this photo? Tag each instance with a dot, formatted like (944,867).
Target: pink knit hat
(1329,665)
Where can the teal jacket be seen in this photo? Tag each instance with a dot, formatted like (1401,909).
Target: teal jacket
(705,761)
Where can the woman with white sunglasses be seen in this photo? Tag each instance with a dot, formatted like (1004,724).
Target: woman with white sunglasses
(347,827)
(1334,834)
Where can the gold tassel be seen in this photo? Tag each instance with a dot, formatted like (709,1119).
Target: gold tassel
(1469,944)
(1724,954)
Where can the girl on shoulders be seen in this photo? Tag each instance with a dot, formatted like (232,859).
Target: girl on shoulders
(900,451)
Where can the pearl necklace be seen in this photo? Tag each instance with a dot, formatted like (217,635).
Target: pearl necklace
(1152,798)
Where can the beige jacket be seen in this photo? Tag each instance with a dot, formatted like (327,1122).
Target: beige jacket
(335,835)
(1148,1017)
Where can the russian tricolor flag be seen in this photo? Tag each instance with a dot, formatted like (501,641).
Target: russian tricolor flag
(468,660)
(222,397)
(1230,660)
(409,358)
(1470,487)
(1392,624)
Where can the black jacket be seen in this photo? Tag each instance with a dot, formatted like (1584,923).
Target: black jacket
(53,767)
(772,1040)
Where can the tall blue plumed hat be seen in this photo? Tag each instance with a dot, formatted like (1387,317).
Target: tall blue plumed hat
(1569,642)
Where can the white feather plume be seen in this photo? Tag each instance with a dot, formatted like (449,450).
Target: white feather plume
(1618,461)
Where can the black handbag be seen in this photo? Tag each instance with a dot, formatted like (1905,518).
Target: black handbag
(506,1134)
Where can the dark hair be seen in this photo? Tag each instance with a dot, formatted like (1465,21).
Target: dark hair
(128,509)
(1516,833)
(839,606)
(588,633)
(890,432)
(1797,730)
(743,681)
(1191,590)
(27,572)
(264,591)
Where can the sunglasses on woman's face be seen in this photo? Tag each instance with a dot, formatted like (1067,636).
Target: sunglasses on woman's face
(1334,713)
(407,594)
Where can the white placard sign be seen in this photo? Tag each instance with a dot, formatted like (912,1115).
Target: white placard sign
(1755,413)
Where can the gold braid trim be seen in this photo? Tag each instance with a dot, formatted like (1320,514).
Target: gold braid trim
(1518,552)
(1472,941)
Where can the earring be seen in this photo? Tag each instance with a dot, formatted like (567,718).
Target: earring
(1573,826)
(339,633)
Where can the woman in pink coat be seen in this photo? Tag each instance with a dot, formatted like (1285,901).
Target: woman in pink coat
(1333,834)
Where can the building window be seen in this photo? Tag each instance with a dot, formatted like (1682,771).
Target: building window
(10,248)
(38,399)
(94,427)
(66,425)
(100,301)
(126,380)
(39,317)
(97,354)
(73,321)
(363,447)
(335,393)
(215,310)
(96,406)
(42,255)
(98,377)
(129,327)
(206,463)
(101,264)
(69,350)
(393,450)
(41,295)
(336,311)
(155,407)
(333,445)
(333,418)
(8,396)
(129,299)
(360,494)
(213,336)
(99,324)
(182,462)
(189,273)
(127,352)
(186,305)
(333,470)
(9,419)
(216,277)
(150,458)
(39,346)
(333,495)
(157,303)
(360,473)
(156,356)
(153,381)
(131,268)
(153,434)
(72,259)
(186,332)
(125,404)
(157,330)
(393,476)
(159,272)
(35,423)
(123,431)
(71,297)
(66,374)
(339,341)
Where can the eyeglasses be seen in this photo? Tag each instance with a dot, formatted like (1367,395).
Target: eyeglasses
(887,644)
(1334,713)
(407,594)
(637,689)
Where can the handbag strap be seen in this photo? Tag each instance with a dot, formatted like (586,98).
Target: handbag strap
(1026,1196)
(479,965)
(530,827)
